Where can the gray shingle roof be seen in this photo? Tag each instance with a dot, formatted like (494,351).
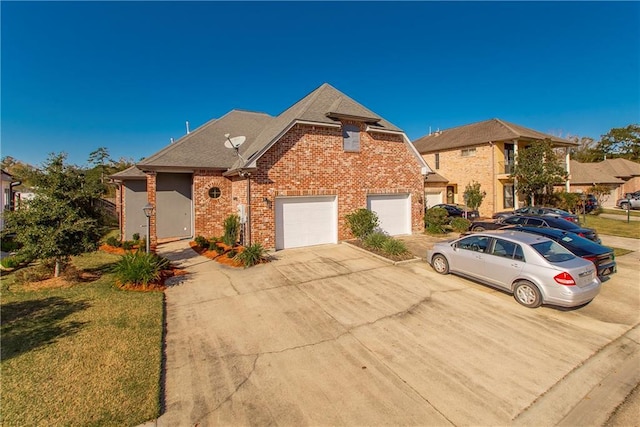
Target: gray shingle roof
(620,167)
(130,173)
(481,133)
(590,174)
(204,147)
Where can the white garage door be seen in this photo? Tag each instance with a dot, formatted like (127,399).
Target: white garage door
(394,212)
(433,199)
(306,221)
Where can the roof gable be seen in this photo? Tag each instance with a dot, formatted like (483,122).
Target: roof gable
(591,174)
(620,167)
(493,130)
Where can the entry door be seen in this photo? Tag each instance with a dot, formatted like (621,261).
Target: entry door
(173,205)
(306,221)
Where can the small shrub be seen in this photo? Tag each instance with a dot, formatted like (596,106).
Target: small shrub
(231,230)
(252,255)
(460,224)
(10,262)
(394,247)
(136,237)
(362,222)
(219,249)
(375,240)
(201,241)
(127,244)
(232,253)
(435,219)
(139,268)
(35,273)
(113,241)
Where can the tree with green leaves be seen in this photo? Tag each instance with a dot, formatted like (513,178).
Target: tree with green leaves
(62,219)
(473,195)
(586,151)
(621,142)
(537,169)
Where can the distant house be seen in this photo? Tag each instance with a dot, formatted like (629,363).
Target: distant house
(7,197)
(621,176)
(292,181)
(484,152)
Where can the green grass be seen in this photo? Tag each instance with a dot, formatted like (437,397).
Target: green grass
(612,227)
(621,212)
(617,252)
(88,354)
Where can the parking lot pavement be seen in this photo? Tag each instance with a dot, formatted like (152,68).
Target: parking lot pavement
(329,335)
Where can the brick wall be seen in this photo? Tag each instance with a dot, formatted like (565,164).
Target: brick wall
(310,160)
(209,214)
(461,171)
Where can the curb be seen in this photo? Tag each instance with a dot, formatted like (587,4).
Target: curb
(387,260)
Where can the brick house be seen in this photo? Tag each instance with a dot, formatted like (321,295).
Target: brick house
(621,176)
(484,152)
(292,181)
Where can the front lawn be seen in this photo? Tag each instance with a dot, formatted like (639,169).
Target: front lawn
(85,353)
(612,227)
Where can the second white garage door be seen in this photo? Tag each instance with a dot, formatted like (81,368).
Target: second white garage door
(306,221)
(394,212)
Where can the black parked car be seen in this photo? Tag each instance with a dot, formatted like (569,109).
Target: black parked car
(601,256)
(458,210)
(536,221)
(538,210)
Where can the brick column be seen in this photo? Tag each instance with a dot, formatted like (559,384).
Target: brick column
(151,198)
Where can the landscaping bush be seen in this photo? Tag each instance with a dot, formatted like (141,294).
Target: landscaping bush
(460,224)
(10,262)
(232,253)
(139,268)
(113,241)
(252,255)
(136,237)
(435,219)
(394,247)
(362,222)
(231,230)
(201,241)
(375,240)
(127,244)
(8,244)
(213,244)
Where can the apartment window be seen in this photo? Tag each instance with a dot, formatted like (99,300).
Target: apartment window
(351,138)
(468,152)
(437,160)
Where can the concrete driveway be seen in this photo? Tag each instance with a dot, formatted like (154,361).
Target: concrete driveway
(330,335)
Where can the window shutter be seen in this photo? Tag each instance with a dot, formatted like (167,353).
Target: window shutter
(351,135)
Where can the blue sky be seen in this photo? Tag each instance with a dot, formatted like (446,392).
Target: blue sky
(127,75)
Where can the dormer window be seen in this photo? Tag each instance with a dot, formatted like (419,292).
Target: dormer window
(351,138)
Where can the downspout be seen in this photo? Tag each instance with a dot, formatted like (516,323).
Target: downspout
(493,175)
(567,164)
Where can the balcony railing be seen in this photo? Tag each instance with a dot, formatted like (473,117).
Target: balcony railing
(506,167)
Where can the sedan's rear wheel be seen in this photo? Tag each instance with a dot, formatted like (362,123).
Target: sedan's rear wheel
(440,264)
(527,294)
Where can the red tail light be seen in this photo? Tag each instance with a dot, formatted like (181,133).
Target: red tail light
(581,235)
(565,279)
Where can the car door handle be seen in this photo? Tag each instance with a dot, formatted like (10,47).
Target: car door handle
(515,264)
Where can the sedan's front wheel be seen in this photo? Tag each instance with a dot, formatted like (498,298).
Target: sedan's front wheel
(440,264)
(527,294)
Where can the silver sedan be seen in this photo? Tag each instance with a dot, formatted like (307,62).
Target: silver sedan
(533,268)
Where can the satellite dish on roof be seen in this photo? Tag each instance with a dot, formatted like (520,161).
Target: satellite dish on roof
(234,142)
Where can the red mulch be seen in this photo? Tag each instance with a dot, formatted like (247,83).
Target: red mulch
(214,255)
(116,251)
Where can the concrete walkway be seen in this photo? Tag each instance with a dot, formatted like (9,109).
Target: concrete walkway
(329,335)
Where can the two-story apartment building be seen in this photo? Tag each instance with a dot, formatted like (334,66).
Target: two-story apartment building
(484,152)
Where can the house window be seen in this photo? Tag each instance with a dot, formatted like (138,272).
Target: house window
(351,138)
(215,192)
(468,152)
(509,196)
(437,160)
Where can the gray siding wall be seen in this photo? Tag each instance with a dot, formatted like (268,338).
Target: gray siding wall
(135,196)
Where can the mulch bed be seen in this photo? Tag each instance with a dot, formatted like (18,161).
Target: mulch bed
(404,257)
(222,258)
